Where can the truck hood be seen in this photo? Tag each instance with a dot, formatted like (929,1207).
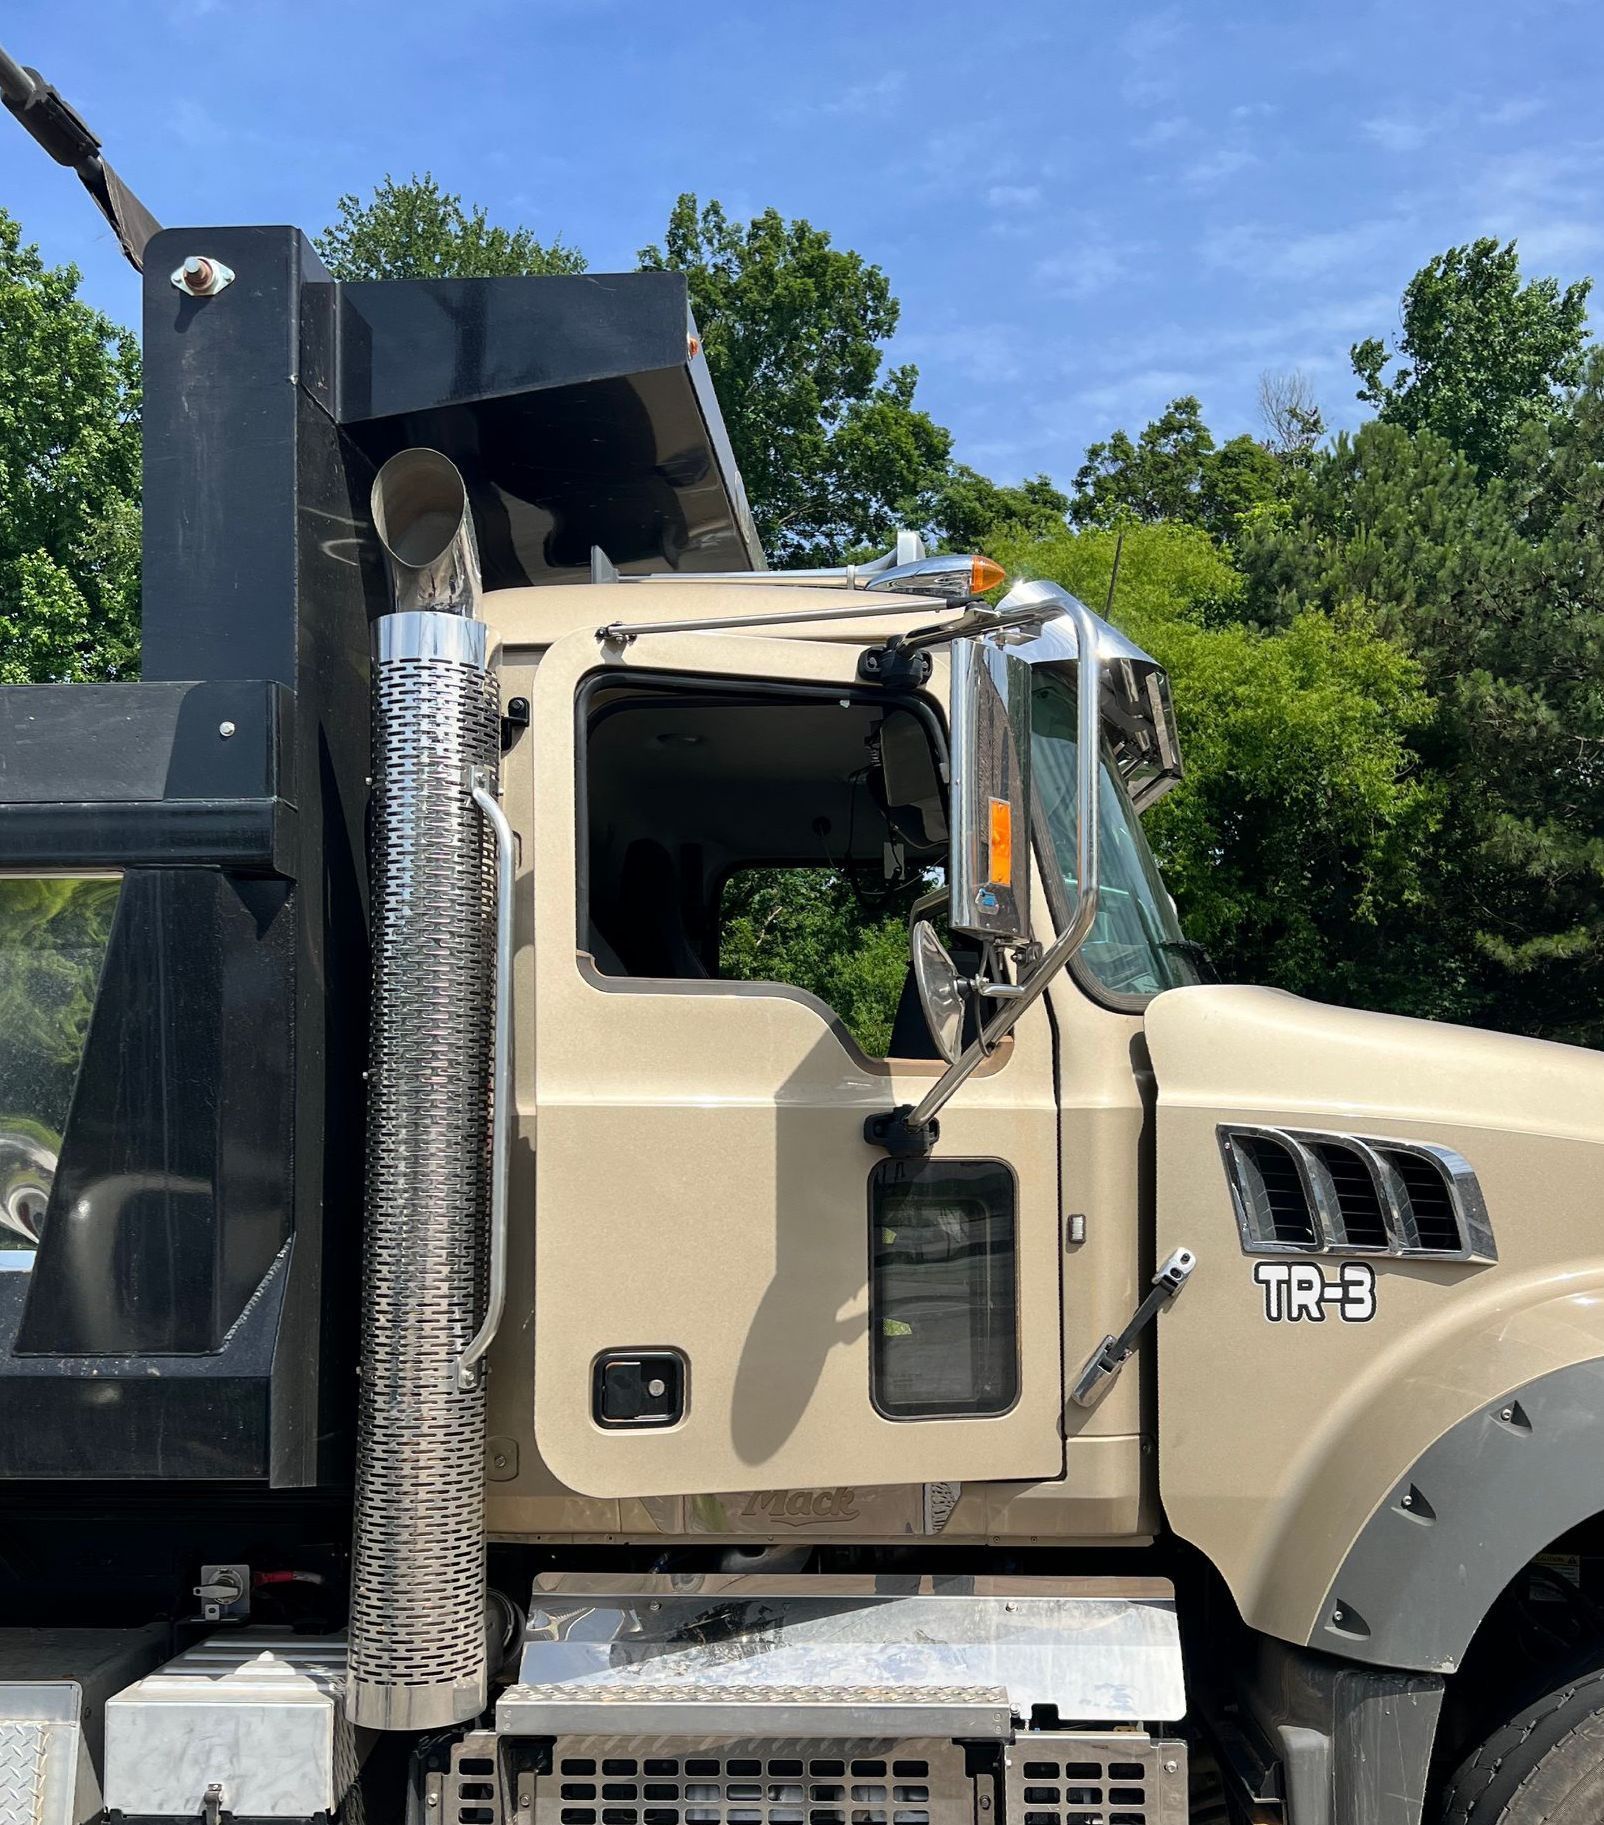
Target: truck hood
(1263,1054)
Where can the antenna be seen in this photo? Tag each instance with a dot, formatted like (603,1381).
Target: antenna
(1113,575)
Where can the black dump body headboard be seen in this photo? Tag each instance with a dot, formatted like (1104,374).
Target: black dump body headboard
(191,1310)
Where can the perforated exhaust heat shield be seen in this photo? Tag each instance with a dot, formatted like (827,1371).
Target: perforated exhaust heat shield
(417,1634)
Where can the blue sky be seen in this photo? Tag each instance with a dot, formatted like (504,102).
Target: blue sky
(1085,209)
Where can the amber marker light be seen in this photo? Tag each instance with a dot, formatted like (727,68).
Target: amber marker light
(984,574)
(1000,842)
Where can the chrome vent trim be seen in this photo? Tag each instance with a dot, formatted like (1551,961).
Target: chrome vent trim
(1425,1198)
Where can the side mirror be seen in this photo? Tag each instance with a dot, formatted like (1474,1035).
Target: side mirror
(941,991)
(989,717)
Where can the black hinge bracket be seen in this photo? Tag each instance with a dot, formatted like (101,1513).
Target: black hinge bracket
(896,666)
(902,1139)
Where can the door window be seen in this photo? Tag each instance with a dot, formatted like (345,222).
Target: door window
(765,837)
(943,1309)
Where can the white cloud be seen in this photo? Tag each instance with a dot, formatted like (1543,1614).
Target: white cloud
(1134,398)
(1014,196)
(1216,167)
(1315,338)
(1150,49)
(984,353)
(1398,132)
(1512,111)
(1265,253)
(1148,39)
(1092,263)
(1162,132)
(867,97)
(1562,241)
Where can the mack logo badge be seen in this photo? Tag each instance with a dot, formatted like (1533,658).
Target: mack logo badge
(1295,1290)
(796,1507)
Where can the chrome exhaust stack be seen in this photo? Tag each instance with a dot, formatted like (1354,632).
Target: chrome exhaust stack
(436,1051)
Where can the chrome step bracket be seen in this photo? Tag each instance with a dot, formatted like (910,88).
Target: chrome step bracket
(770,1656)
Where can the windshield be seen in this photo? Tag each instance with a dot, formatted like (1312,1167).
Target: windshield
(1135,946)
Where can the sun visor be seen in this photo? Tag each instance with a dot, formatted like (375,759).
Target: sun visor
(578,408)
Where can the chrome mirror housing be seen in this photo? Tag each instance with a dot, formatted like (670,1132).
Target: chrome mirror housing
(989,724)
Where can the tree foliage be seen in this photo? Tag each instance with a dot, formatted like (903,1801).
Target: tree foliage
(1479,353)
(971,510)
(833,454)
(1496,588)
(416,230)
(1387,649)
(69,477)
(53,937)
(808,927)
(1173,472)
(1291,846)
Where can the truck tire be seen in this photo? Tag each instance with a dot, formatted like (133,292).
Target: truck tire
(1544,1767)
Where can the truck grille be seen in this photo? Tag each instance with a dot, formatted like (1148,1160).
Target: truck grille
(1095,1780)
(678,1781)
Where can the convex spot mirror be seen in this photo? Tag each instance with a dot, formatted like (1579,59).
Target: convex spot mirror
(941,991)
(989,716)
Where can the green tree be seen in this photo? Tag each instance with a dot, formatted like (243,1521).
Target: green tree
(69,477)
(971,508)
(416,230)
(1496,588)
(808,927)
(833,455)
(1174,472)
(1479,352)
(1292,844)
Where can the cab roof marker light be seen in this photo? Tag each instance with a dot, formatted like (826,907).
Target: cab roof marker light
(955,575)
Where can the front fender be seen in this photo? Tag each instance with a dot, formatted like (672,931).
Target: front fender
(1429,1493)
(1281,1441)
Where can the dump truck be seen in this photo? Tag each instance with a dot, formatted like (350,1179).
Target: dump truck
(471,1354)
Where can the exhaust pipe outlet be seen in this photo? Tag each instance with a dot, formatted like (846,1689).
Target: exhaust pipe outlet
(421,514)
(417,1658)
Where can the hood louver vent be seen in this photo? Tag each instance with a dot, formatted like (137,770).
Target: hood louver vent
(1309,1193)
(1267,1170)
(1356,1193)
(1430,1202)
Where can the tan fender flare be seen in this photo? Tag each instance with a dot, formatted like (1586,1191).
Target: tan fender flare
(1424,1499)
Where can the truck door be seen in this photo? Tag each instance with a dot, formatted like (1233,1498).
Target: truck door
(734,1290)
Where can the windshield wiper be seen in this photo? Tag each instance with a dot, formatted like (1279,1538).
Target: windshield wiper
(1194,954)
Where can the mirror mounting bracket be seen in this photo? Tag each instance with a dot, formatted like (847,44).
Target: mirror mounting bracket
(896,665)
(901,1137)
